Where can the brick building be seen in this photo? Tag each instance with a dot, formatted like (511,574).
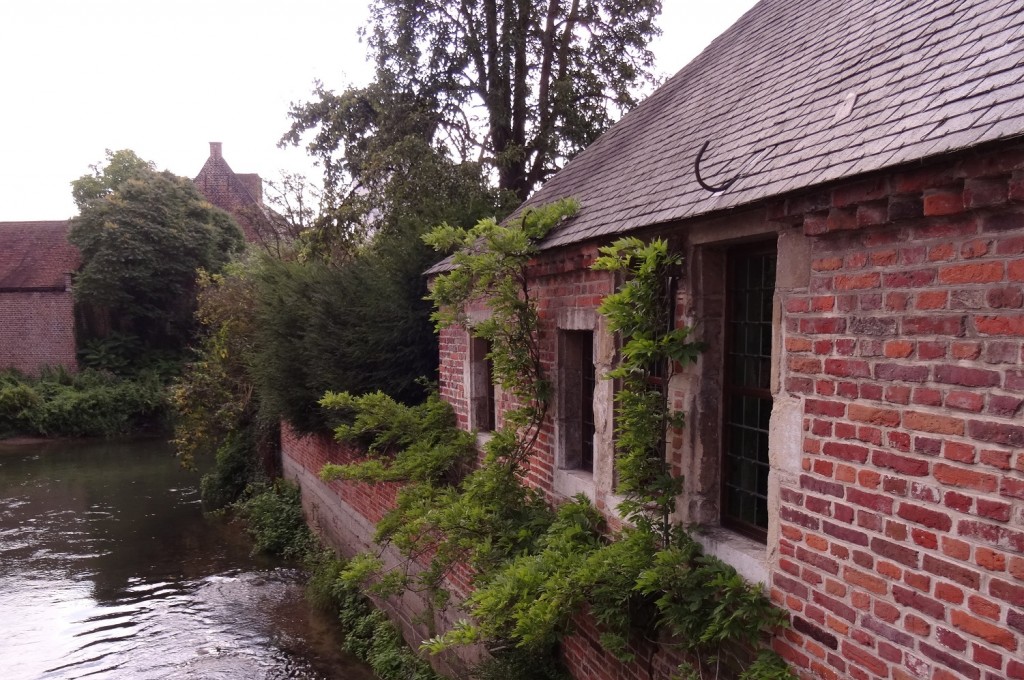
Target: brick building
(240,195)
(846,184)
(37,319)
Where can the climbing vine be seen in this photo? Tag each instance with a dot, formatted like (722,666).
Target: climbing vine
(535,569)
(642,312)
(447,515)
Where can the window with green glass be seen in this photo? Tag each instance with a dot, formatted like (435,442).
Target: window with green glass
(747,398)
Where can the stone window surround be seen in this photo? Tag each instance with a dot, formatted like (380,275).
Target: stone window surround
(568,480)
(481,396)
(474,370)
(701,387)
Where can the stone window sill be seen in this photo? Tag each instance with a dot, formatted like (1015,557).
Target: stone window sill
(747,556)
(568,483)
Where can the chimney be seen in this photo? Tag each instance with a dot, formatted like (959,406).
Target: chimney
(215,150)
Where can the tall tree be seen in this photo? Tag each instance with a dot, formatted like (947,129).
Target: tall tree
(520,85)
(549,75)
(143,235)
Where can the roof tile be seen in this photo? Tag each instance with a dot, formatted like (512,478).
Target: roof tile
(35,256)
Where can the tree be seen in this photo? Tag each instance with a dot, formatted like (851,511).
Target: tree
(549,76)
(143,235)
(383,171)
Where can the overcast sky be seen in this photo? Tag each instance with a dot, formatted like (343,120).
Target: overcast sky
(165,78)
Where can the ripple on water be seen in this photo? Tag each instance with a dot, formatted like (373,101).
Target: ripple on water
(110,571)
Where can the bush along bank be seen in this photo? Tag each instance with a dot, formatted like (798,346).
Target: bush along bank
(273,518)
(90,403)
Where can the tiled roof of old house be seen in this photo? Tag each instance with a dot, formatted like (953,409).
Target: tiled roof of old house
(798,93)
(35,256)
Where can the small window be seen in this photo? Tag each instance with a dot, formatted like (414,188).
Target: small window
(483,405)
(578,380)
(747,397)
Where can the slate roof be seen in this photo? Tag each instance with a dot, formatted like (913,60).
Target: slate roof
(35,256)
(798,93)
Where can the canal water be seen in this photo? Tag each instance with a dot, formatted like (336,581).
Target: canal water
(109,569)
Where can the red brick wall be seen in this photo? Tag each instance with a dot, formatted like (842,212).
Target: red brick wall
(560,282)
(903,547)
(312,452)
(900,548)
(454,353)
(37,329)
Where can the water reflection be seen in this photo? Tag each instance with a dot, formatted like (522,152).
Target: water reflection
(108,569)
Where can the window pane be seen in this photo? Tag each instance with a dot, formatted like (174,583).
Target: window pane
(748,401)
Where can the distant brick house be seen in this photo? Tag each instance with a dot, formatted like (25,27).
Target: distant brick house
(240,195)
(37,263)
(846,183)
(36,307)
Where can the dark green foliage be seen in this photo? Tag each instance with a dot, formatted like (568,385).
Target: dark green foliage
(369,635)
(519,664)
(273,517)
(18,401)
(544,78)
(419,444)
(215,403)
(373,638)
(359,327)
(481,518)
(86,404)
(383,177)
(235,469)
(707,606)
(143,235)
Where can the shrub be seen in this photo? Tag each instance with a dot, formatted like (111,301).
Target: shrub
(87,404)
(17,402)
(358,327)
(273,518)
(234,470)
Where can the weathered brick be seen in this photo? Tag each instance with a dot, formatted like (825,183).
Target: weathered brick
(903,372)
(945,201)
(968,377)
(894,551)
(965,401)
(802,625)
(983,629)
(1004,221)
(1000,325)
(915,600)
(969,578)
(934,423)
(960,665)
(951,325)
(975,272)
(996,433)
(924,516)
(962,477)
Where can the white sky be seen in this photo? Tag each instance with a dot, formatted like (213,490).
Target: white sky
(164,78)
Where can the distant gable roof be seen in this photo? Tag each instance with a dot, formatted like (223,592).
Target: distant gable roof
(225,188)
(798,93)
(35,256)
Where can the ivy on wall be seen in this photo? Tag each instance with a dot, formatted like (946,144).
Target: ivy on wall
(535,568)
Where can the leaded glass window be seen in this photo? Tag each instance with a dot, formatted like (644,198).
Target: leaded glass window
(747,395)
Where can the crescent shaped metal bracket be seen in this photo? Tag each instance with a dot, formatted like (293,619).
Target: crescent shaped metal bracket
(710,187)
